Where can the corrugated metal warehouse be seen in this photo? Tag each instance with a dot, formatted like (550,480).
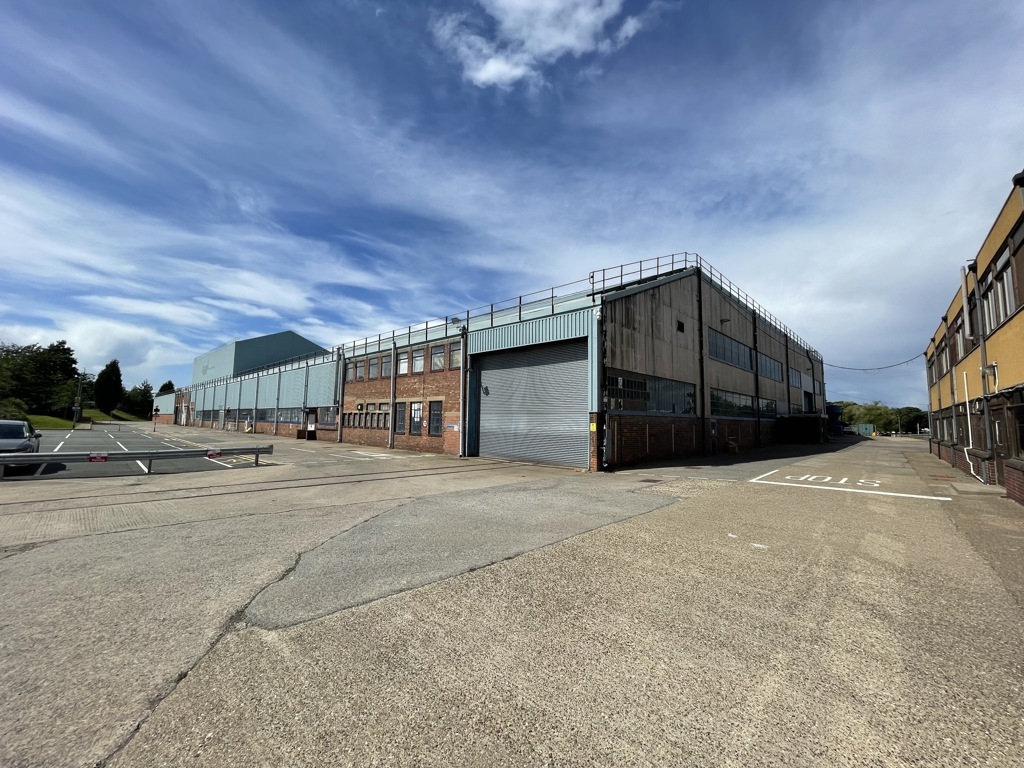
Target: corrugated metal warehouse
(650,360)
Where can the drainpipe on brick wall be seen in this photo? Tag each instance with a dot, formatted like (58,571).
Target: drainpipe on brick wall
(464,336)
(339,385)
(394,392)
(970,434)
(980,330)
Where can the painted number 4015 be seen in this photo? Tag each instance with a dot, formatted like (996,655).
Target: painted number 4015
(831,481)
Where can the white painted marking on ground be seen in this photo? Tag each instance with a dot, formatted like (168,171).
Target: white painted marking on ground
(760,477)
(172,445)
(373,455)
(696,478)
(304,450)
(759,546)
(645,474)
(725,480)
(733,536)
(142,465)
(122,447)
(218,462)
(58,446)
(69,434)
(854,490)
(673,477)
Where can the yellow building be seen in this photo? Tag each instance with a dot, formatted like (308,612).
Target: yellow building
(976,359)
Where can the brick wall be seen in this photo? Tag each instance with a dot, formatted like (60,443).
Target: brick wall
(635,438)
(1013,476)
(426,387)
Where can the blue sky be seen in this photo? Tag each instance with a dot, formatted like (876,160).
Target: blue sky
(177,174)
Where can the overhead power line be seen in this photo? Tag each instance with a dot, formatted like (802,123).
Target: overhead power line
(875,368)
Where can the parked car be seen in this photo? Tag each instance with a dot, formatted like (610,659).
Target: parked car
(848,430)
(18,437)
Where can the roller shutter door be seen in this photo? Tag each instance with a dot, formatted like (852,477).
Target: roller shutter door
(533,404)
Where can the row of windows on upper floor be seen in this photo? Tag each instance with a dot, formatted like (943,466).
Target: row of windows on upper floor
(728,350)
(379,366)
(1000,291)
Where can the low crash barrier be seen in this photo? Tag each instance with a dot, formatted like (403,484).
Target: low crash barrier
(92,457)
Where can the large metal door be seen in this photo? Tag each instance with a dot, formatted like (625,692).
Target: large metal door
(533,404)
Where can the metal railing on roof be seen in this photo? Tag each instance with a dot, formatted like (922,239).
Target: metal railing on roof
(560,298)
(565,298)
(638,272)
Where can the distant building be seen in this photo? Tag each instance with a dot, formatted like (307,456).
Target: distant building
(650,360)
(975,359)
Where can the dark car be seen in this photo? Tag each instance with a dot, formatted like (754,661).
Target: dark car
(18,437)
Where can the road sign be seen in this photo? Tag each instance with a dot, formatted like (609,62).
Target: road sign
(213,454)
(97,456)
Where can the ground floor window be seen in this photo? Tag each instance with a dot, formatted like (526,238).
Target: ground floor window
(435,425)
(725,403)
(328,416)
(399,418)
(415,418)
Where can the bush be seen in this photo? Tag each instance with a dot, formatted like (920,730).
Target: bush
(13,408)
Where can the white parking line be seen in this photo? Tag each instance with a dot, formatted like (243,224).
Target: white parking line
(304,450)
(142,465)
(122,446)
(69,434)
(58,446)
(218,462)
(845,490)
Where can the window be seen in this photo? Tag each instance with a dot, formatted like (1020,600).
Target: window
(998,298)
(437,358)
(728,350)
(328,416)
(385,367)
(374,363)
(724,403)
(399,418)
(796,379)
(265,415)
(417,360)
(768,408)
(627,391)
(959,339)
(415,418)
(289,415)
(403,363)
(360,370)
(434,426)
(350,371)
(769,367)
(454,355)
(384,417)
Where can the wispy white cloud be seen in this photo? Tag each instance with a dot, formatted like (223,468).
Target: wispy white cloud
(520,37)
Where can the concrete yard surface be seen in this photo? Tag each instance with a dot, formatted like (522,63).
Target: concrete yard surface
(522,615)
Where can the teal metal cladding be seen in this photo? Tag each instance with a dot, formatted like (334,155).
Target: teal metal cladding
(544,330)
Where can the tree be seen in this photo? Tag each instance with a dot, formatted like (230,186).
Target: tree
(38,376)
(167,386)
(109,389)
(138,401)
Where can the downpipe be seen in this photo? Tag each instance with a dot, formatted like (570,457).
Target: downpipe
(970,432)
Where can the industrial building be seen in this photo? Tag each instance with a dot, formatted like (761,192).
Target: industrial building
(975,360)
(655,359)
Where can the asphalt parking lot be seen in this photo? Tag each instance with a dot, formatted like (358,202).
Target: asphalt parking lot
(850,606)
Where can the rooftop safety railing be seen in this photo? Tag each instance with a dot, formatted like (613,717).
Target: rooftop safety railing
(578,294)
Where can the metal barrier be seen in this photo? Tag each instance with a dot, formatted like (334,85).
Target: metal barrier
(148,456)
